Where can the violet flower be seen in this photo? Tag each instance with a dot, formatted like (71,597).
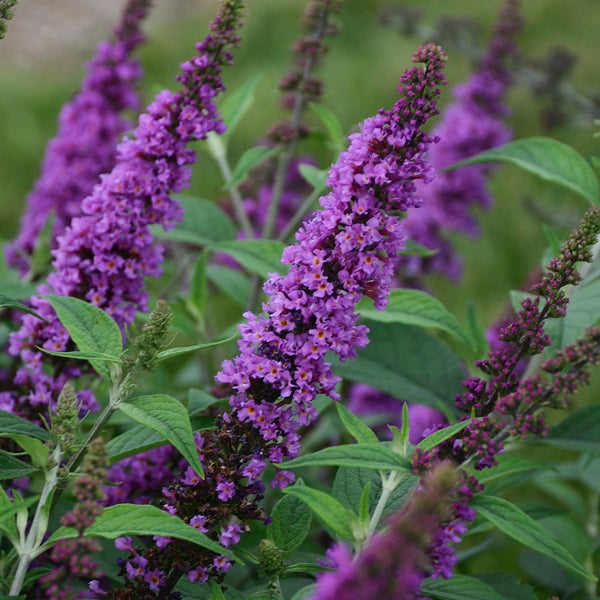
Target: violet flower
(104,255)
(89,126)
(342,253)
(503,405)
(471,124)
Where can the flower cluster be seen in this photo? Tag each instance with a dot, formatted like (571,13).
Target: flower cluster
(505,405)
(471,124)
(73,557)
(104,255)
(343,252)
(89,126)
(395,561)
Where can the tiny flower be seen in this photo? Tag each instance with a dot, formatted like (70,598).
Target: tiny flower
(226,490)
(230,534)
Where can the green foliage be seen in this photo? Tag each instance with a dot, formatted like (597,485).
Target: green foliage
(90,328)
(578,432)
(257,256)
(11,424)
(166,416)
(547,158)
(515,523)
(290,524)
(134,519)
(367,456)
(414,307)
(356,428)
(408,363)
(328,509)
(460,587)
(440,436)
(252,158)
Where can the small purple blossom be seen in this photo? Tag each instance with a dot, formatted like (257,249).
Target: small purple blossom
(226,490)
(230,535)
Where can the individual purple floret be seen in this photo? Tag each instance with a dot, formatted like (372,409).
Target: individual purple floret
(395,561)
(366,400)
(104,255)
(89,126)
(471,124)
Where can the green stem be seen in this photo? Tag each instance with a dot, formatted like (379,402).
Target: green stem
(39,526)
(304,209)
(388,485)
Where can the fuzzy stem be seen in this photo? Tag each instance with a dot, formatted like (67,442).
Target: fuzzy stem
(37,530)
(388,485)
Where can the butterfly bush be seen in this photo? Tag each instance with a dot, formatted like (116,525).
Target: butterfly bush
(472,123)
(89,126)
(506,405)
(345,251)
(104,255)
(395,561)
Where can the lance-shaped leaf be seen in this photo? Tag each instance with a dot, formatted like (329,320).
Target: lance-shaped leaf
(91,329)
(133,519)
(167,416)
(172,352)
(6,302)
(549,159)
(518,525)
(257,256)
(11,424)
(355,427)
(437,437)
(367,456)
(459,587)
(248,161)
(290,523)
(13,468)
(328,509)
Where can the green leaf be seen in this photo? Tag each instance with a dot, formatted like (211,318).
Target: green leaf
(414,307)
(216,593)
(552,239)
(508,586)
(248,161)
(199,401)
(172,352)
(332,125)
(236,104)
(134,519)
(579,432)
(290,524)
(313,176)
(350,482)
(79,355)
(232,282)
(515,523)
(549,159)
(328,509)
(305,593)
(133,441)
(412,248)
(459,587)
(476,330)
(257,256)
(167,416)
(7,510)
(37,450)
(6,302)
(437,437)
(203,223)
(510,471)
(198,285)
(367,456)
(12,468)
(407,363)
(306,568)
(90,328)
(10,424)
(355,427)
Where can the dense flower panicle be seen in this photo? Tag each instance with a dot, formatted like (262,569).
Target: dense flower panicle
(505,405)
(344,252)
(104,255)
(395,561)
(471,124)
(73,557)
(88,129)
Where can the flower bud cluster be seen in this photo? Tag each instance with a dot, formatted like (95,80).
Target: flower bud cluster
(73,557)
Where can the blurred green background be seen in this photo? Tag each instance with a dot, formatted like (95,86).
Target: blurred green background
(41,66)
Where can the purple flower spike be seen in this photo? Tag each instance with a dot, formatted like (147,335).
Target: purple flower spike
(89,126)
